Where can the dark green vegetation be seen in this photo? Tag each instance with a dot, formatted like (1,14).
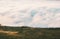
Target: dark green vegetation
(30,33)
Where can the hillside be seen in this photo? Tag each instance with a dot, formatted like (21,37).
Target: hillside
(29,33)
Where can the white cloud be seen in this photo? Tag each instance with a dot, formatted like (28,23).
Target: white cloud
(18,12)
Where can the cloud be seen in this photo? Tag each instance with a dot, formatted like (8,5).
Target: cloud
(29,13)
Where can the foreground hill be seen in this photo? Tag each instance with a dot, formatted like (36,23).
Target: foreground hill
(29,33)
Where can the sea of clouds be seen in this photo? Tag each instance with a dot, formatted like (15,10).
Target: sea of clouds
(32,13)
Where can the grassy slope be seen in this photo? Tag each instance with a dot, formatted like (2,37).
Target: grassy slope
(30,33)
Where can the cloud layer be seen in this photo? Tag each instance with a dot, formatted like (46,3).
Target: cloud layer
(34,13)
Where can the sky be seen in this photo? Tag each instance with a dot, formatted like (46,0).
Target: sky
(32,13)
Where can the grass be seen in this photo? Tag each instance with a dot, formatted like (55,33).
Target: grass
(29,33)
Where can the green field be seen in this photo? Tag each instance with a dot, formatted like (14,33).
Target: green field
(29,33)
